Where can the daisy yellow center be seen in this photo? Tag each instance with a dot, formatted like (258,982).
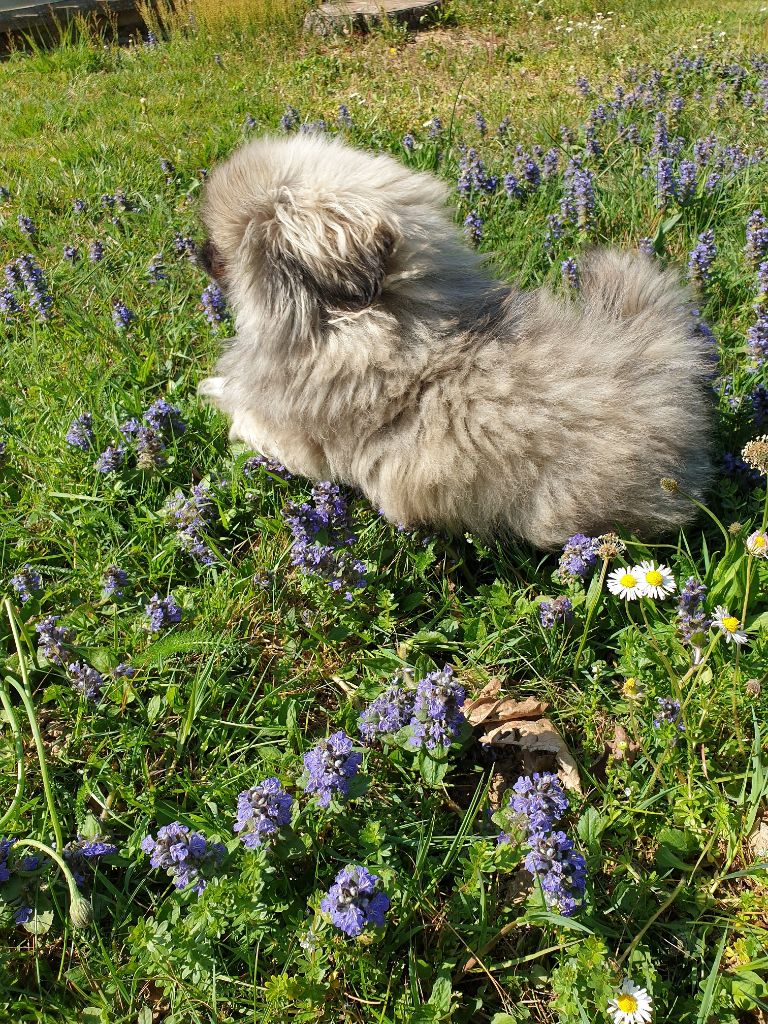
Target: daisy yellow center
(760,541)
(626,1003)
(654,578)
(630,685)
(731,623)
(628,580)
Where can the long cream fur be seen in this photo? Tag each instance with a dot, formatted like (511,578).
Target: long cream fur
(374,349)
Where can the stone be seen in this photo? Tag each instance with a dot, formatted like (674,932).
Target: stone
(362,14)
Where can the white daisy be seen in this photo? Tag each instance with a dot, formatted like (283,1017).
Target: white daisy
(625,583)
(655,580)
(757,544)
(631,1004)
(729,626)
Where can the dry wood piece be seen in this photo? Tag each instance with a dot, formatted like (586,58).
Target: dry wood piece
(361,14)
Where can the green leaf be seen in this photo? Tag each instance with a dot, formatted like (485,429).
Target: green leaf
(442,993)
(42,920)
(432,771)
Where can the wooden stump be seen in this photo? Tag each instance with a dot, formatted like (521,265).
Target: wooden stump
(361,14)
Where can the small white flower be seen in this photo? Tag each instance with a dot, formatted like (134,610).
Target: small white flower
(729,626)
(655,580)
(631,1004)
(757,544)
(625,583)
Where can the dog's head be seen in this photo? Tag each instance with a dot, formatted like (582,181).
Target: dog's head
(308,225)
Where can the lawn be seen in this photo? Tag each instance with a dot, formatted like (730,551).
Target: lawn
(239,779)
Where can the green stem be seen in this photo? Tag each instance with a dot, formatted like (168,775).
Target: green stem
(18,796)
(590,614)
(79,906)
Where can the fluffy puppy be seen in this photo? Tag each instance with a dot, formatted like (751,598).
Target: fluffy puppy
(374,349)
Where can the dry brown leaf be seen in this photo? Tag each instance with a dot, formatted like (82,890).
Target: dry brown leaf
(536,738)
(487,707)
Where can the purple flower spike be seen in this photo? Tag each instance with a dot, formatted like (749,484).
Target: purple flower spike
(26,583)
(541,799)
(437,716)
(80,433)
(183,855)
(162,612)
(354,901)
(330,766)
(261,811)
(561,871)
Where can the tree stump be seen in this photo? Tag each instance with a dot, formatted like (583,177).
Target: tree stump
(362,14)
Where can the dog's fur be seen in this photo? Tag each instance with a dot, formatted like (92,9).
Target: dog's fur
(372,348)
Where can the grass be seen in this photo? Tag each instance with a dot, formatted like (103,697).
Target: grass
(266,661)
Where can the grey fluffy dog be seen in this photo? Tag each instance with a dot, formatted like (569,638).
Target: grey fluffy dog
(374,349)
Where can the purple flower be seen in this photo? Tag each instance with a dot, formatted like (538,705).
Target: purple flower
(162,612)
(558,610)
(321,539)
(389,712)
(513,187)
(151,41)
(702,257)
(579,556)
(163,416)
(354,901)
(473,227)
(647,246)
(23,914)
(71,253)
(757,337)
(95,252)
(124,671)
(24,273)
(5,849)
(762,282)
(114,581)
(122,316)
(111,459)
(668,713)
(192,517)
(26,582)
(261,811)
(156,269)
(85,680)
(578,202)
(183,855)
(256,462)
(250,122)
(213,303)
(756,249)
(149,448)
(80,433)
(9,305)
(665,183)
(550,163)
(168,169)
(570,273)
(52,639)
(582,84)
(27,227)
(481,124)
(686,181)
(290,119)
(473,176)
(692,620)
(437,716)
(435,129)
(330,766)
(660,143)
(5,194)
(540,799)
(409,142)
(344,118)
(184,246)
(81,854)
(561,871)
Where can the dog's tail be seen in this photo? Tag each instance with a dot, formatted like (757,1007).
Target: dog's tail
(629,284)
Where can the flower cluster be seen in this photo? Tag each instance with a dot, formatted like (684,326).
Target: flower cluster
(387,714)
(756,248)
(561,871)
(25,279)
(330,765)
(52,639)
(115,579)
(578,557)
(692,620)
(27,582)
(162,612)
(80,433)
(702,257)
(322,538)
(437,716)
(261,810)
(540,799)
(668,712)
(82,853)
(354,901)
(85,680)
(257,462)
(560,609)
(146,441)
(644,580)
(192,517)
(185,856)
(213,304)
(122,316)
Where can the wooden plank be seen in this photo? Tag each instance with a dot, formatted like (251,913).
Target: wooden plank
(361,14)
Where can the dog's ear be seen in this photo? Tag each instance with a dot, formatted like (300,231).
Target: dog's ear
(332,247)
